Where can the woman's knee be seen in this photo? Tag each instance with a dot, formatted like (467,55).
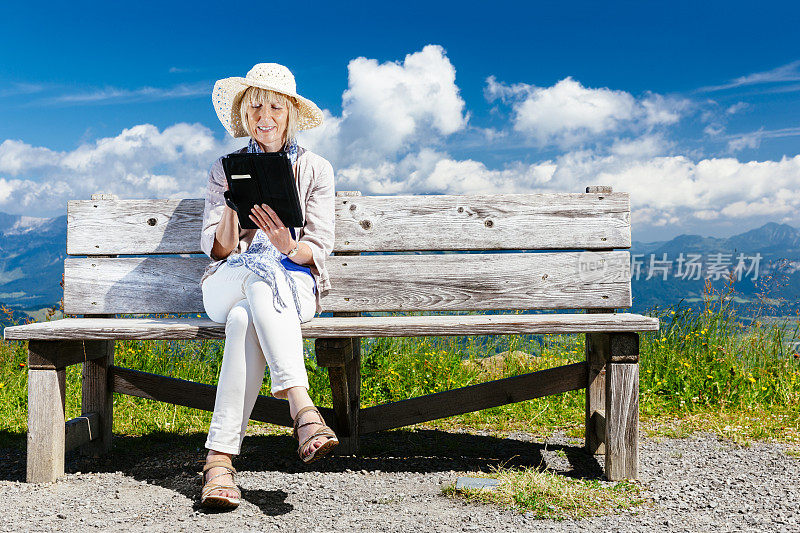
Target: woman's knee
(238,320)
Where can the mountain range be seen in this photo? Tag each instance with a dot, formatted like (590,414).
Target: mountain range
(33,252)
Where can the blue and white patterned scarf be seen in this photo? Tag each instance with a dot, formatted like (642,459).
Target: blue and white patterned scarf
(261,256)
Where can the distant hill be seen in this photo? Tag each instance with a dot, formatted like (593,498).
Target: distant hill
(32,252)
(777,270)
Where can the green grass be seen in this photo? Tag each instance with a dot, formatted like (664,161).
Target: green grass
(551,496)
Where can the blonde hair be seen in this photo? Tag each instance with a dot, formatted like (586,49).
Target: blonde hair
(256,96)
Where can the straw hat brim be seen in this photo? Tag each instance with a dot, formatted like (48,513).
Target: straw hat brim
(227,95)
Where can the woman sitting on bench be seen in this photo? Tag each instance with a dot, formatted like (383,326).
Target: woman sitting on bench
(264,282)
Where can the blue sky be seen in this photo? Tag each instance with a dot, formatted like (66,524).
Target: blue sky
(693,109)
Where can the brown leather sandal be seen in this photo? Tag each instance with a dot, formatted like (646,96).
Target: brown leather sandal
(218,501)
(324,431)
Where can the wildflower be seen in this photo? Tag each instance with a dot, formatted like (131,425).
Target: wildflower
(709,376)
(22,365)
(2,385)
(751,379)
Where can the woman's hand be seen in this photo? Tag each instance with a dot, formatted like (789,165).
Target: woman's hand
(269,222)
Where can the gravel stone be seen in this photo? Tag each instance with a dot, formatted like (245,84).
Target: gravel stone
(151,484)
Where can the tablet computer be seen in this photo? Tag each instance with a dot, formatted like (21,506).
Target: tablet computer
(262,178)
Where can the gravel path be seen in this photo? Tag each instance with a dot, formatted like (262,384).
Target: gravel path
(695,484)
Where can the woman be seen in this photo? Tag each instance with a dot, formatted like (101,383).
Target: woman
(264,282)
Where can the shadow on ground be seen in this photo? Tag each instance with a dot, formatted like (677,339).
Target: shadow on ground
(173,461)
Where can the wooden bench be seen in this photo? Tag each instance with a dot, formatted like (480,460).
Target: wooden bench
(582,272)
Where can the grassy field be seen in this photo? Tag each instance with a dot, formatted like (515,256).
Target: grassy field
(704,370)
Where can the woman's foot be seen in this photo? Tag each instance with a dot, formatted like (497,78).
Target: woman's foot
(308,423)
(220,475)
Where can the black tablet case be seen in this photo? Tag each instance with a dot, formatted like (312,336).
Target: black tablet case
(271,181)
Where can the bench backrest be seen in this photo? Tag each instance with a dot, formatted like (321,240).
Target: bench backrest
(111,233)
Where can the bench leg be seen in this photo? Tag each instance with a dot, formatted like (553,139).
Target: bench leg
(622,407)
(346,393)
(596,354)
(46,395)
(96,394)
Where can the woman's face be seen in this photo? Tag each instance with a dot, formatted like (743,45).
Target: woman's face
(267,124)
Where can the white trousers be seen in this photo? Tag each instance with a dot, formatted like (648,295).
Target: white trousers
(256,335)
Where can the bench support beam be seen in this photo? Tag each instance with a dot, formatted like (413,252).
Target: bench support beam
(622,407)
(474,398)
(46,433)
(97,397)
(195,395)
(596,354)
(343,359)
(81,430)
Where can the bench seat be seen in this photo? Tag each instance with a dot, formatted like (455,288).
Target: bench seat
(327,327)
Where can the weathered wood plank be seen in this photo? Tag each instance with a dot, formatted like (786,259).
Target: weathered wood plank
(441,282)
(599,425)
(451,282)
(368,326)
(473,398)
(622,421)
(483,222)
(352,373)
(109,227)
(81,430)
(46,425)
(332,352)
(153,284)
(96,396)
(597,352)
(374,223)
(196,395)
(45,354)
(345,381)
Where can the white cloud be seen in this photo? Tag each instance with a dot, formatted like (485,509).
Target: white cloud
(392,107)
(15,156)
(737,107)
(644,146)
(20,88)
(747,140)
(113,95)
(785,73)
(140,162)
(569,113)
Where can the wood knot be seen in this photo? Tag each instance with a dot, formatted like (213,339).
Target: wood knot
(544,277)
(151,222)
(366,224)
(488,223)
(460,209)
(352,207)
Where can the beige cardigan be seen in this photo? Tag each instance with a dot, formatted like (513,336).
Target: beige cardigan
(314,176)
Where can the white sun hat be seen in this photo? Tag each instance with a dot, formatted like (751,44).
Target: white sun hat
(227,95)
